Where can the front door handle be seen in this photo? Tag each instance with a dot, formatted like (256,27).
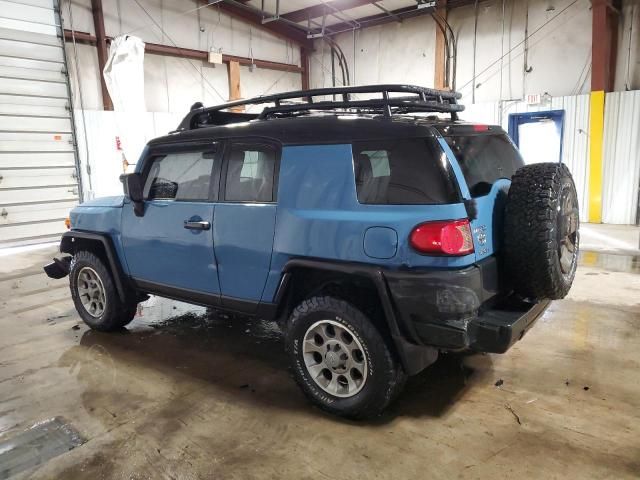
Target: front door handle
(191,225)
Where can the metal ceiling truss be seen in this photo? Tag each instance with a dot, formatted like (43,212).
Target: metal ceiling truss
(333,8)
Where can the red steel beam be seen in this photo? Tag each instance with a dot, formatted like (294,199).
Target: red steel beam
(604,44)
(276,28)
(158,49)
(402,13)
(101,43)
(328,8)
(380,19)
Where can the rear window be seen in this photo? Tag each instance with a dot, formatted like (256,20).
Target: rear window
(402,172)
(484,159)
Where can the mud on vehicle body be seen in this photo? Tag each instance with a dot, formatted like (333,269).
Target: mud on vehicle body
(376,236)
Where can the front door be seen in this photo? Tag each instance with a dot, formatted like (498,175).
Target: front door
(245,223)
(169,249)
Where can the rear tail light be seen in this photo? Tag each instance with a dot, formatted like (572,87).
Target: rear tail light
(449,237)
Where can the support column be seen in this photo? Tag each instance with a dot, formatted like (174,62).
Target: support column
(604,37)
(304,63)
(596,135)
(103,52)
(233,69)
(441,52)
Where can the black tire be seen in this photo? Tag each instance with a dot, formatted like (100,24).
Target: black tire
(116,314)
(541,231)
(385,376)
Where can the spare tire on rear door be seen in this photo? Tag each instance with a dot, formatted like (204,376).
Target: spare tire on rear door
(541,235)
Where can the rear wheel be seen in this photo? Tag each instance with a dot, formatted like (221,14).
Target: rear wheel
(340,360)
(542,231)
(95,296)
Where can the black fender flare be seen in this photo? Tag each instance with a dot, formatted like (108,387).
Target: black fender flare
(413,356)
(67,245)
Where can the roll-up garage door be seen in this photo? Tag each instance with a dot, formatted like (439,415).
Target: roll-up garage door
(38,169)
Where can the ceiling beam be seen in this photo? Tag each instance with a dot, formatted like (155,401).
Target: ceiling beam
(322,9)
(394,15)
(251,16)
(380,19)
(168,50)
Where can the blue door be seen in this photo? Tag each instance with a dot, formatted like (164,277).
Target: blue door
(169,250)
(538,135)
(244,224)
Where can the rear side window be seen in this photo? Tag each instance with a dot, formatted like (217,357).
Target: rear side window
(180,176)
(402,172)
(250,173)
(484,159)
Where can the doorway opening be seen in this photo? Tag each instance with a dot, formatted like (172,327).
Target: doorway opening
(538,135)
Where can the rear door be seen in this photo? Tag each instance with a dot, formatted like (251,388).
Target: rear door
(169,250)
(484,160)
(244,225)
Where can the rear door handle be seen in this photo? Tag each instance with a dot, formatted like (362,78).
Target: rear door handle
(191,225)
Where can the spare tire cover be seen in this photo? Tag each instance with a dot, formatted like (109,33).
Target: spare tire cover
(541,231)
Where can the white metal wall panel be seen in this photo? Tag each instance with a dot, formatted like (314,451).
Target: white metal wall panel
(36,160)
(20,214)
(621,157)
(42,195)
(24,105)
(575,142)
(14,10)
(105,161)
(38,175)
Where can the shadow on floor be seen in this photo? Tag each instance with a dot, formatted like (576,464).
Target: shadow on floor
(245,358)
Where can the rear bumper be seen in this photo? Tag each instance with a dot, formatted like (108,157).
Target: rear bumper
(461,309)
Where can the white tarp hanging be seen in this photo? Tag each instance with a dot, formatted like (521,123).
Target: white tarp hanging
(124,74)
(124,77)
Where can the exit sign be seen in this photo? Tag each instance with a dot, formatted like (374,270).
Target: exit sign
(534,99)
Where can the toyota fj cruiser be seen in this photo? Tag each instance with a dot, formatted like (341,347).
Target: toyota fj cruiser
(375,232)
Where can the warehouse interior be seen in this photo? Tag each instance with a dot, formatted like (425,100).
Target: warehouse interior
(186,392)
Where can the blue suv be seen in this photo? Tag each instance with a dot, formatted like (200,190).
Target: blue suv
(376,232)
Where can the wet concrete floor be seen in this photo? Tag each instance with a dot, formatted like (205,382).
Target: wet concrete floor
(181,394)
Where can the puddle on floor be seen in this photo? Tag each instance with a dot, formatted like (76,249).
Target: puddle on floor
(179,318)
(610,261)
(36,446)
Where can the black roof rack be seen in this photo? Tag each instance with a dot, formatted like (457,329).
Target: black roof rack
(301,102)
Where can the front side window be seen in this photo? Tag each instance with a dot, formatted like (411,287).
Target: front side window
(180,176)
(250,173)
(401,172)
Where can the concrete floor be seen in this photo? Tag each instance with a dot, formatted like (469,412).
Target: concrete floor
(180,395)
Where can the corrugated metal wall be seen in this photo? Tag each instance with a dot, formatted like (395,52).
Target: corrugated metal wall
(105,159)
(575,143)
(621,157)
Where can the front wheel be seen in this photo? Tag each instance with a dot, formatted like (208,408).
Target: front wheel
(95,295)
(340,360)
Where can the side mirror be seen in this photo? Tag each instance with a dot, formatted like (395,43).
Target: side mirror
(132,185)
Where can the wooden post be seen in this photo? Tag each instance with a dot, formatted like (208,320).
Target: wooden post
(234,84)
(441,52)
(304,63)
(103,52)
